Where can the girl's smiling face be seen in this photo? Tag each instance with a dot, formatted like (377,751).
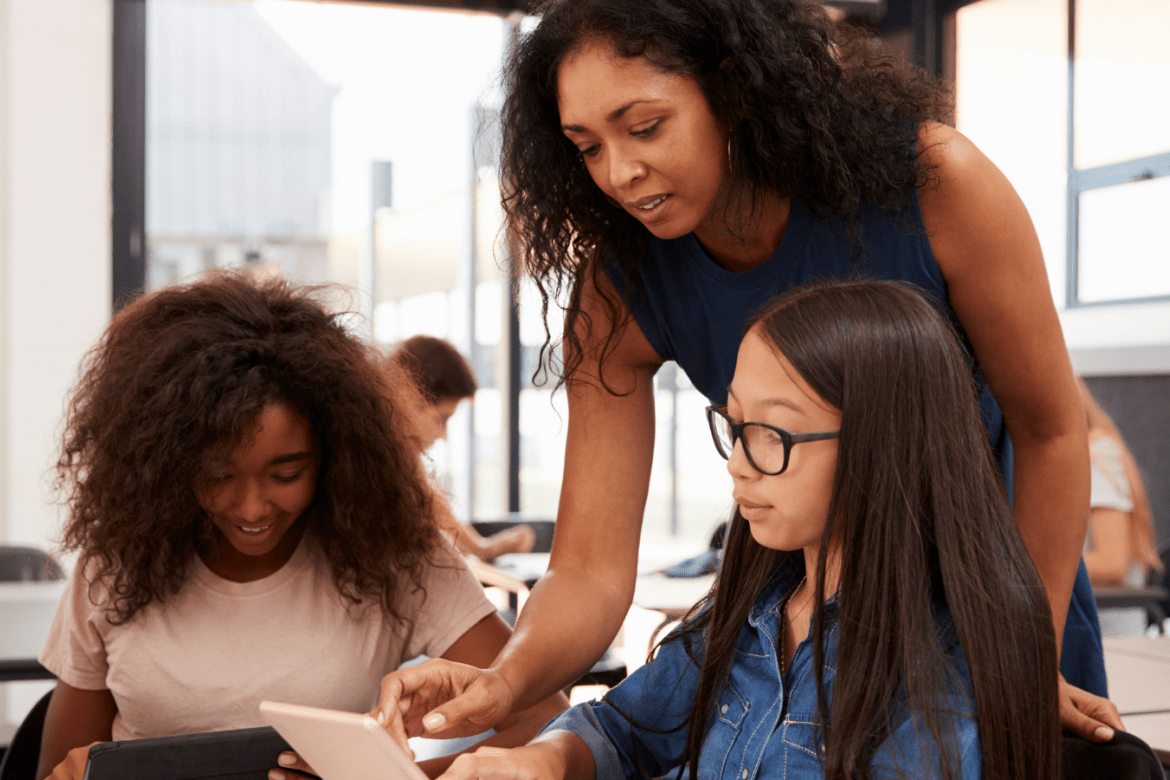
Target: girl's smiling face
(787,511)
(648,139)
(257,496)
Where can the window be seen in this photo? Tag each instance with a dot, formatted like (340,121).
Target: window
(1118,193)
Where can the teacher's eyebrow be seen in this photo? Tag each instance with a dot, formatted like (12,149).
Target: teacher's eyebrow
(612,116)
(291,458)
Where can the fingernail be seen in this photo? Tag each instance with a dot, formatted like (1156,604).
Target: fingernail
(434,721)
(1104,733)
(381,718)
(275,774)
(286,759)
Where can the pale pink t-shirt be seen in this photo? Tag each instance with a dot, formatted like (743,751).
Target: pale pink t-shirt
(204,659)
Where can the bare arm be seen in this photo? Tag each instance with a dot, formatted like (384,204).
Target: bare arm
(575,610)
(985,244)
(75,719)
(997,284)
(1108,561)
(468,541)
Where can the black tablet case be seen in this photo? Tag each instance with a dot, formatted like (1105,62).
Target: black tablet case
(242,754)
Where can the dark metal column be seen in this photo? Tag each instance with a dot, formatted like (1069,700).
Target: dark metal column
(1072,196)
(128,164)
(927,25)
(514,382)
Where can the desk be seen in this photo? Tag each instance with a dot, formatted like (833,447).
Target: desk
(1153,729)
(672,596)
(1138,669)
(1156,648)
(528,567)
(26,611)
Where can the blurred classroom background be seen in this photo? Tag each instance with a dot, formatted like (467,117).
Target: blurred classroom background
(145,141)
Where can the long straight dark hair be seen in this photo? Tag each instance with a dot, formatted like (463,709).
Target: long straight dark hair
(921,518)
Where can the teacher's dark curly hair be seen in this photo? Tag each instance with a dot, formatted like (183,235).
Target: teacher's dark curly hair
(811,109)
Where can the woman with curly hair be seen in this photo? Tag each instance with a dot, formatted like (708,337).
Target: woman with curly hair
(670,165)
(245,493)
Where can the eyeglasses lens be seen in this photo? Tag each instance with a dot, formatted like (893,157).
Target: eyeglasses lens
(721,432)
(765,448)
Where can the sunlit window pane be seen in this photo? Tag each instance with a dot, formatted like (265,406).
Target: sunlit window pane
(1124,242)
(1012,82)
(1122,80)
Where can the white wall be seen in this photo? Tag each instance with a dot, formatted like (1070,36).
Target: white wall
(54,236)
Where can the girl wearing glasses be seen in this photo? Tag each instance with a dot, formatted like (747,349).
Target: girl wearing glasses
(876,615)
(669,166)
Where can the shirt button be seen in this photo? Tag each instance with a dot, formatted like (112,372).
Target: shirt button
(723,710)
(744,774)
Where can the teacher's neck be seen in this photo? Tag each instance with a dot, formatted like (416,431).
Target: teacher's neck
(743,238)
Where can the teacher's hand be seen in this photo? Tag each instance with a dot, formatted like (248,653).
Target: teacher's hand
(441,699)
(1086,714)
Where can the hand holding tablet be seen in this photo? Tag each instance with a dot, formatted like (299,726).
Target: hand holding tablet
(341,745)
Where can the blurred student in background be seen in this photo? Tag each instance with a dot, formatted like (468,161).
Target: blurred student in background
(1120,548)
(445,380)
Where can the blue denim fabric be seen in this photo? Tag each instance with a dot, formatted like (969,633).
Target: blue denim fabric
(764,726)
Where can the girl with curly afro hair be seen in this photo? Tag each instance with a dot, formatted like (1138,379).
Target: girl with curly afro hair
(670,165)
(245,492)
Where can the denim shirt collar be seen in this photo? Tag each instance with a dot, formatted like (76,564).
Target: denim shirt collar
(768,605)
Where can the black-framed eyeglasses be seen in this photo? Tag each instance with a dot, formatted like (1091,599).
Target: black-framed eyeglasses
(766,446)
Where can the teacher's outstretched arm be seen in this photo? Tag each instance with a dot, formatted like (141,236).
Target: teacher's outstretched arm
(576,609)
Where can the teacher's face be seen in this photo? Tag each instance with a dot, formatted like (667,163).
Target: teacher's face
(649,139)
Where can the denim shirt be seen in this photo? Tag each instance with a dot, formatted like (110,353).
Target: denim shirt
(764,723)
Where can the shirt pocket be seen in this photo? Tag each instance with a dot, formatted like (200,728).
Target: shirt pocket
(801,739)
(732,708)
(730,715)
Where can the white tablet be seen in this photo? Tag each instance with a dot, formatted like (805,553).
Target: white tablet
(341,745)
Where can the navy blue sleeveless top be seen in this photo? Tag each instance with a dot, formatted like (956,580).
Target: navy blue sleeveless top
(692,311)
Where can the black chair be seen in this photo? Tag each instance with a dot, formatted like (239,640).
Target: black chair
(543,528)
(20,759)
(28,564)
(1164,604)
(1125,757)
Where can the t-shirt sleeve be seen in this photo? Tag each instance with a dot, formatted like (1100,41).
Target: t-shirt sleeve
(640,306)
(454,601)
(1109,486)
(75,649)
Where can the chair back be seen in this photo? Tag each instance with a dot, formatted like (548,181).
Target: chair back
(542,526)
(1125,757)
(28,564)
(20,760)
